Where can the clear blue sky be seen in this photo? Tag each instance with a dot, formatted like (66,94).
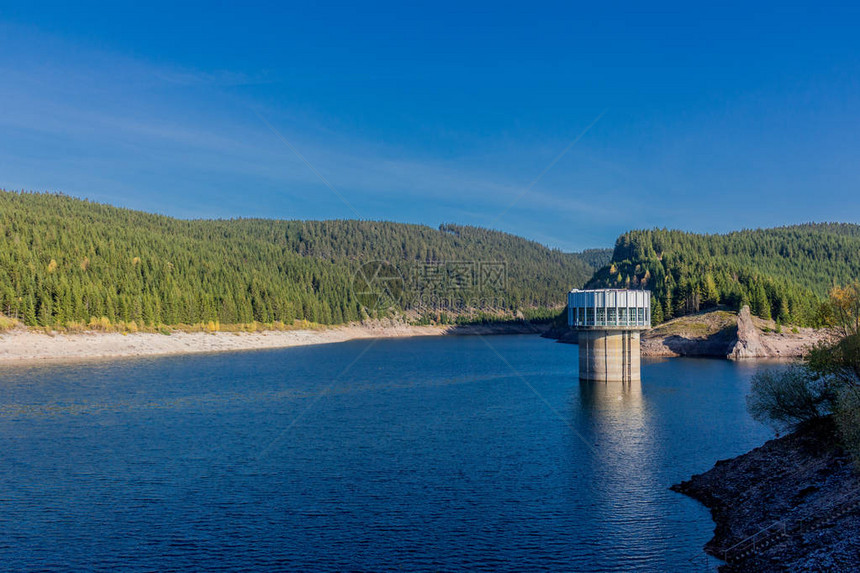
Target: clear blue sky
(714,118)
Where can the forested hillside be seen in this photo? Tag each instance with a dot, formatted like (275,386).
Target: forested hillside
(65,260)
(596,258)
(782,273)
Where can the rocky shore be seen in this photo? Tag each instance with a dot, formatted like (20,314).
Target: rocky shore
(792,504)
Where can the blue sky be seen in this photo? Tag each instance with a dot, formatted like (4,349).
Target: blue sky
(708,118)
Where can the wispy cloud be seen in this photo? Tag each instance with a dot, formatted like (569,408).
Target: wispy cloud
(113,124)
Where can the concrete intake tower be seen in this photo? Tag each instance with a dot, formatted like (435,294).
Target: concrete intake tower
(609,322)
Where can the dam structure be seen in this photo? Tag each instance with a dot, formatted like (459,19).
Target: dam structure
(609,323)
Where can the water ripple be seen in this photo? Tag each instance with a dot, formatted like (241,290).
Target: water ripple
(429,455)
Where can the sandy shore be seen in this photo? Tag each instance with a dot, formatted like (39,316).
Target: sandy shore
(21,345)
(30,346)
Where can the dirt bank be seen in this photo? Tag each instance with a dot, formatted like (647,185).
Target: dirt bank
(726,334)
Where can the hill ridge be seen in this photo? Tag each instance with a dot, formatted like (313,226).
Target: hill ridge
(64,259)
(783,273)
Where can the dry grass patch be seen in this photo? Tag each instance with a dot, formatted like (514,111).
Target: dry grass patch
(700,325)
(7,323)
(103,324)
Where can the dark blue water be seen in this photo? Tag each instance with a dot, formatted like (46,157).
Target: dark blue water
(419,454)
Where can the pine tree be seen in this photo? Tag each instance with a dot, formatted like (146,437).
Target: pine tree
(761,305)
(656,312)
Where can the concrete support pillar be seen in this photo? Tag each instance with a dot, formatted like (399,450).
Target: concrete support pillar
(609,355)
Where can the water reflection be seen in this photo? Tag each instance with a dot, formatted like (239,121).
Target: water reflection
(625,465)
(618,423)
(612,397)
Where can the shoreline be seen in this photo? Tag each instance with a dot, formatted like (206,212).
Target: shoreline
(792,504)
(21,346)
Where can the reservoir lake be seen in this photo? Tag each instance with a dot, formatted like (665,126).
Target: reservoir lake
(438,453)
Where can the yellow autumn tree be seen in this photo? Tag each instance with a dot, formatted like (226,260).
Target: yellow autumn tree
(842,311)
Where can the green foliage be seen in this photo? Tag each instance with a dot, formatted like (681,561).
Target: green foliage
(783,273)
(839,362)
(65,261)
(826,382)
(656,311)
(596,258)
(787,399)
(847,417)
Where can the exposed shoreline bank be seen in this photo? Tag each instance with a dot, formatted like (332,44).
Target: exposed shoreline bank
(721,334)
(21,346)
(716,334)
(792,504)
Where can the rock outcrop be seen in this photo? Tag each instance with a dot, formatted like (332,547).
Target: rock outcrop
(712,333)
(749,343)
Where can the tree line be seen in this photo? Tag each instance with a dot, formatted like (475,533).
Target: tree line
(65,260)
(783,273)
